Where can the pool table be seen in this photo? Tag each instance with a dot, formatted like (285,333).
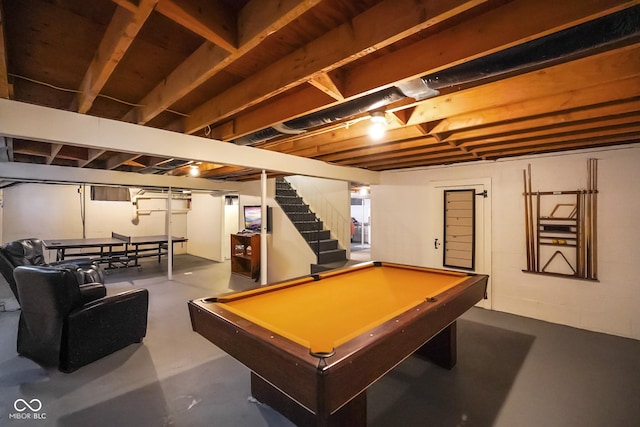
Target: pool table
(314,344)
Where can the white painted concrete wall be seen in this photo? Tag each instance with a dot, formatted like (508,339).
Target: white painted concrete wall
(54,212)
(399,207)
(205,226)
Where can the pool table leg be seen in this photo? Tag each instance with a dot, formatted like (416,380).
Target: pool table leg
(352,414)
(442,348)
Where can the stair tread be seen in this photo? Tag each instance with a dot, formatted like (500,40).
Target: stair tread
(300,214)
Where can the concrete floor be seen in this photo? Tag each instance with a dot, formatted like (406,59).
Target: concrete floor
(512,371)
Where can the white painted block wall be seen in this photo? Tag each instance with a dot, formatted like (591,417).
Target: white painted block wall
(399,207)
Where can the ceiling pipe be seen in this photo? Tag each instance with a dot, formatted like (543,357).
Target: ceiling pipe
(329,115)
(615,28)
(571,42)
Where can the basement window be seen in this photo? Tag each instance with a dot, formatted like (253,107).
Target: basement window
(110,194)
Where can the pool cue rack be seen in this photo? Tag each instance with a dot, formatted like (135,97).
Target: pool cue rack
(563,242)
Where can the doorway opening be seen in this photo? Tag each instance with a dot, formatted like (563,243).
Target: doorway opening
(360,223)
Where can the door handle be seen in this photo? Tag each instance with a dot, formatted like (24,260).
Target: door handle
(436,243)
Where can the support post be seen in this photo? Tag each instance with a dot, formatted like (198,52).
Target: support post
(170,235)
(263,230)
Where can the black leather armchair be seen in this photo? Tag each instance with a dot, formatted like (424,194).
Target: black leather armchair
(57,328)
(29,252)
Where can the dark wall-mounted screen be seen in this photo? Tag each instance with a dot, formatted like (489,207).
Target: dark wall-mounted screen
(253,218)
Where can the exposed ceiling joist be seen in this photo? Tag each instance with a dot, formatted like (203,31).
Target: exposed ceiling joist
(212,19)
(587,72)
(254,25)
(121,32)
(458,81)
(376,28)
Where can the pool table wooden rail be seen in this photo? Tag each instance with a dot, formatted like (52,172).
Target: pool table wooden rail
(324,387)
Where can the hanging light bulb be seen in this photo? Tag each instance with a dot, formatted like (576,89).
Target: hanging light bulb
(378,125)
(194,170)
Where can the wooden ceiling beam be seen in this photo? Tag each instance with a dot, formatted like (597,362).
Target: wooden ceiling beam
(510,151)
(551,108)
(575,76)
(256,22)
(491,32)
(73,152)
(52,153)
(220,171)
(423,162)
(494,122)
(92,154)
(377,27)
(120,33)
(120,159)
(388,151)
(415,157)
(211,19)
(130,5)
(202,64)
(481,147)
(55,149)
(533,132)
(554,144)
(340,143)
(331,84)
(31,148)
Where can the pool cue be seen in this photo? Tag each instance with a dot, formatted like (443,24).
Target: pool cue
(584,234)
(536,256)
(595,219)
(532,243)
(579,232)
(590,223)
(585,237)
(589,216)
(593,216)
(526,220)
(594,195)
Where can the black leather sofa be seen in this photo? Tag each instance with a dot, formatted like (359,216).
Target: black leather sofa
(29,252)
(58,328)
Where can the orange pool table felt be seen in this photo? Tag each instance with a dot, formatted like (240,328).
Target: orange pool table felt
(323,314)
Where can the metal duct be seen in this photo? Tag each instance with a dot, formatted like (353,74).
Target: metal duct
(326,116)
(346,110)
(573,41)
(591,35)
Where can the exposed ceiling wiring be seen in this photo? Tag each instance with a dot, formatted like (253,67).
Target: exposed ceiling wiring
(131,104)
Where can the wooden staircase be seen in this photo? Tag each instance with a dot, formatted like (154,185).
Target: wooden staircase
(310,227)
